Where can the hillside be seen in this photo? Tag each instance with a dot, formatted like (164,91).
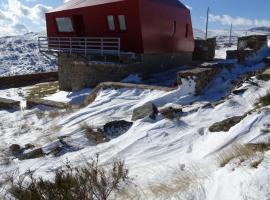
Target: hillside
(20,55)
(167,158)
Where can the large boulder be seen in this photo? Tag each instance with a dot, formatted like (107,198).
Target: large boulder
(37,153)
(225,125)
(147,110)
(116,128)
(15,149)
(171,112)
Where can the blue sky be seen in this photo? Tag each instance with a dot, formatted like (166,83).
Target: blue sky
(19,16)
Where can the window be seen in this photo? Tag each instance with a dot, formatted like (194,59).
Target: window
(174,28)
(111,24)
(122,22)
(64,24)
(187,30)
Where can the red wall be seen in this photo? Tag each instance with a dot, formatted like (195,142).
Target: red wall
(95,20)
(157,28)
(149,25)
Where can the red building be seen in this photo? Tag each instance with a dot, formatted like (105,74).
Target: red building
(143,26)
(131,36)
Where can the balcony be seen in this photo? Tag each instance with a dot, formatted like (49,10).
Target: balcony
(101,46)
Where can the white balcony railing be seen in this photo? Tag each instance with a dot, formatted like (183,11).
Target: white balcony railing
(80,45)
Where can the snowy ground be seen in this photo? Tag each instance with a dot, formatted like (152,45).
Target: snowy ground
(156,151)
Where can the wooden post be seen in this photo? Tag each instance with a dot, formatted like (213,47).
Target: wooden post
(207,21)
(230,41)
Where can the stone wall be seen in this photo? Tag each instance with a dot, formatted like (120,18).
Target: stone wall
(239,55)
(201,75)
(254,42)
(204,49)
(77,72)
(27,79)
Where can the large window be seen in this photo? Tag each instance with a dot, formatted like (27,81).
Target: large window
(122,22)
(64,24)
(111,23)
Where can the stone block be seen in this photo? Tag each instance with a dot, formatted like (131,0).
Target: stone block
(254,42)
(201,76)
(204,49)
(239,55)
(9,104)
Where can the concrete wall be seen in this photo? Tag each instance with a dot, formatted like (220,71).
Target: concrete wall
(77,72)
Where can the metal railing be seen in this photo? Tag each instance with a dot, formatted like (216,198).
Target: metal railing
(80,45)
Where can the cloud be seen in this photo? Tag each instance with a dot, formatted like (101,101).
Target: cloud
(14,16)
(237,21)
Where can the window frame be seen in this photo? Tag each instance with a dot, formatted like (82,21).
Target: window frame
(174,28)
(122,22)
(111,27)
(187,30)
(72,30)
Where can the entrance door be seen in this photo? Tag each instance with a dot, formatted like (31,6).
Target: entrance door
(79,26)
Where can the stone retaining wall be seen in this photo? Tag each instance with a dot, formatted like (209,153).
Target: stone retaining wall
(27,79)
(78,72)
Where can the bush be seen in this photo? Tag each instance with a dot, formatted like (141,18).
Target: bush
(92,182)
(264,100)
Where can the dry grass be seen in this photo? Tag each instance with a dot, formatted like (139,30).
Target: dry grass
(263,100)
(90,182)
(42,90)
(183,184)
(241,153)
(93,135)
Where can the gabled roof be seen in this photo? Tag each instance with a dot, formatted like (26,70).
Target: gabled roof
(72,4)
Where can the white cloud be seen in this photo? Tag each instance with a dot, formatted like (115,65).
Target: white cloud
(14,15)
(237,21)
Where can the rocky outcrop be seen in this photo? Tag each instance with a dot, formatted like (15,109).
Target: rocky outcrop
(225,125)
(147,110)
(116,128)
(171,112)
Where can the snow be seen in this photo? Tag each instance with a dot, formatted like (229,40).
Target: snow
(155,151)
(20,55)
(69,97)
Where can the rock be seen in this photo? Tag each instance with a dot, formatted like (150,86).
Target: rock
(116,128)
(239,91)
(225,125)
(29,146)
(171,112)
(147,110)
(37,153)
(15,149)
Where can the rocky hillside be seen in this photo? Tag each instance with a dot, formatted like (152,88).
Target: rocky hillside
(20,55)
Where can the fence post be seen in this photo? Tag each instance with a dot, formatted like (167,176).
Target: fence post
(119,47)
(101,46)
(70,46)
(58,44)
(85,47)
